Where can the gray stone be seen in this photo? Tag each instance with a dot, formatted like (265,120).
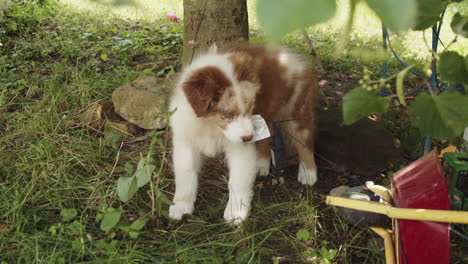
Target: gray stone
(337,191)
(143,101)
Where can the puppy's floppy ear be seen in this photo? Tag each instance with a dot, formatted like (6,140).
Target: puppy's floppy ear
(204,89)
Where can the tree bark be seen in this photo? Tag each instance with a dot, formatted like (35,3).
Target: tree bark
(212,21)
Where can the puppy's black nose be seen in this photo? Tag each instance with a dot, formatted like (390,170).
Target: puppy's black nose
(246,138)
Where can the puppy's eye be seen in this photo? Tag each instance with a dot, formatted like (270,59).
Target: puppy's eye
(227,116)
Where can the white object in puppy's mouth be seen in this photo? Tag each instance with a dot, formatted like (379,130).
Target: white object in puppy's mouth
(245,129)
(261,130)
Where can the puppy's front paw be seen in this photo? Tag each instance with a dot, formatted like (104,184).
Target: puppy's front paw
(177,210)
(306,176)
(235,214)
(263,167)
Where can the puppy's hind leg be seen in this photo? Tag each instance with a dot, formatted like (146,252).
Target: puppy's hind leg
(304,143)
(186,167)
(263,157)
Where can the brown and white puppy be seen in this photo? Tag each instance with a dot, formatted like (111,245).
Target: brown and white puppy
(215,98)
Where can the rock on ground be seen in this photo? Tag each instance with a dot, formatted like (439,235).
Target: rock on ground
(143,101)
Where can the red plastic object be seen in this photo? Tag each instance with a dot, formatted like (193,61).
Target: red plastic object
(422,185)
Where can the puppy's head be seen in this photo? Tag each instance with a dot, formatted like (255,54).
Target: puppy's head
(225,99)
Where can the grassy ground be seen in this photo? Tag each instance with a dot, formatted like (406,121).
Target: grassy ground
(55,63)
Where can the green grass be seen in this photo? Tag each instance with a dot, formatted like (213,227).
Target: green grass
(57,61)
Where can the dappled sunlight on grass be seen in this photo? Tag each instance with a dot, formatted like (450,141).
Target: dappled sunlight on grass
(144,9)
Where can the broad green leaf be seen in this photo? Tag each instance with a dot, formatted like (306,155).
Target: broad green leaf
(361,102)
(129,169)
(144,171)
(278,17)
(163,198)
(428,13)
(303,234)
(138,224)
(460,25)
(68,214)
(395,14)
(443,116)
(452,67)
(111,219)
(126,188)
(77,244)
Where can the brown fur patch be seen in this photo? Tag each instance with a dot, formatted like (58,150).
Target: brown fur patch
(204,88)
(245,67)
(275,95)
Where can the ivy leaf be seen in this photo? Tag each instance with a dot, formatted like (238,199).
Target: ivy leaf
(428,13)
(303,234)
(111,219)
(459,25)
(395,14)
(278,17)
(452,67)
(443,116)
(126,188)
(360,102)
(68,214)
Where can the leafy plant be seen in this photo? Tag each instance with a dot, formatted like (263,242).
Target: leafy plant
(110,218)
(127,186)
(324,255)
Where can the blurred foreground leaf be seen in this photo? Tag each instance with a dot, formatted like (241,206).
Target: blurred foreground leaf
(459,25)
(395,14)
(443,116)
(361,102)
(278,17)
(428,13)
(453,67)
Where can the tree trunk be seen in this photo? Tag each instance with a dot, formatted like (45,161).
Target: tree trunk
(212,21)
